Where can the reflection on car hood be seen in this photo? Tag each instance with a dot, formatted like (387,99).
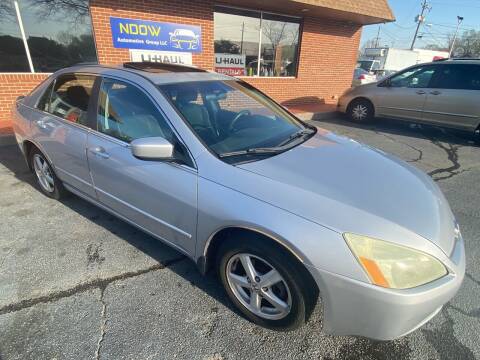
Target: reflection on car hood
(350,187)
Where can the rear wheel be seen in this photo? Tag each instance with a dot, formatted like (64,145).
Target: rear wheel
(360,111)
(264,283)
(48,182)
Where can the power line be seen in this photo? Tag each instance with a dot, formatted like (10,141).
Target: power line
(420,19)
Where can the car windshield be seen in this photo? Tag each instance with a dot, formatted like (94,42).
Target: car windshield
(235,120)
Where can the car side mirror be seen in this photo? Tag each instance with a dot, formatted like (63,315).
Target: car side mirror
(386,83)
(152,148)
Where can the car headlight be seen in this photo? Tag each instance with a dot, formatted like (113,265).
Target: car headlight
(394,266)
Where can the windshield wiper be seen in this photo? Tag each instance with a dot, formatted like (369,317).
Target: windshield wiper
(266,151)
(296,135)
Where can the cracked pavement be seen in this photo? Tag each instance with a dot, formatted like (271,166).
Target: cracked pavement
(77,283)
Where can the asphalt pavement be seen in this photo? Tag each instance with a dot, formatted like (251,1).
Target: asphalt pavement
(77,283)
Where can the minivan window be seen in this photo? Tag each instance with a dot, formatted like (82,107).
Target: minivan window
(418,77)
(125,112)
(70,97)
(458,76)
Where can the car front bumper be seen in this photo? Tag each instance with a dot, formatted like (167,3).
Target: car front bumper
(353,307)
(342,104)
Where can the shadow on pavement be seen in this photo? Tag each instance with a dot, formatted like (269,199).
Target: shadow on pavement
(12,159)
(403,128)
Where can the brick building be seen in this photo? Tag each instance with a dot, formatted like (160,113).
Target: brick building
(297,51)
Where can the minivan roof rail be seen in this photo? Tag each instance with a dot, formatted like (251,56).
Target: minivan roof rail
(156,67)
(455,59)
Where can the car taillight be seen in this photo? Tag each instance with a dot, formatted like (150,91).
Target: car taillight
(362,77)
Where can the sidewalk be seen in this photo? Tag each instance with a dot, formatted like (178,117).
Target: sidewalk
(313,111)
(6,133)
(5,128)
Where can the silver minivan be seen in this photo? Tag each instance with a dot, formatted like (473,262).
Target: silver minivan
(443,93)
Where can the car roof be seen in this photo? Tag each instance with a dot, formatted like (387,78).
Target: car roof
(158,73)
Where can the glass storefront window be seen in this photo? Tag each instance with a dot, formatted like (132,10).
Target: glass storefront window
(279,54)
(13,57)
(250,43)
(236,42)
(59,34)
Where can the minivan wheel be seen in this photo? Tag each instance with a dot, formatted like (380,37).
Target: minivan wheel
(48,182)
(360,111)
(476,136)
(264,284)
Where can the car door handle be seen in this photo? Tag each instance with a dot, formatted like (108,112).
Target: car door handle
(436,92)
(41,124)
(420,92)
(100,152)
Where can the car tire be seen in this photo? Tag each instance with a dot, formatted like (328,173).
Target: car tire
(360,111)
(47,181)
(292,289)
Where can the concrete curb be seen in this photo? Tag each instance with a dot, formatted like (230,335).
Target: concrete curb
(310,116)
(7,139)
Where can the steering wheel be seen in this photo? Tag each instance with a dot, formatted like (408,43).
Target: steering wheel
(237,117)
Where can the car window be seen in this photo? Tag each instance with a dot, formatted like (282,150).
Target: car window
(461,76)
(44,101)
(70,97)
(126,113)
(418,77)
(229,116)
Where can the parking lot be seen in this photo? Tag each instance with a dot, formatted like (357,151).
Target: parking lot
(76,283)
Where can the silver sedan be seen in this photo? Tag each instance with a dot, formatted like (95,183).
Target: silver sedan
(283,211)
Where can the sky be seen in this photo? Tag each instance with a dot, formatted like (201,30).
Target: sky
(440,21)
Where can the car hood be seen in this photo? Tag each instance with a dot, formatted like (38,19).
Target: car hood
(351,187)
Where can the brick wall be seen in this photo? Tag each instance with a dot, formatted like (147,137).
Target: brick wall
(328,51)
(194,12)
(12,86)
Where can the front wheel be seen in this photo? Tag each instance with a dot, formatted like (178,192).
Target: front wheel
(264,283)
(360,111)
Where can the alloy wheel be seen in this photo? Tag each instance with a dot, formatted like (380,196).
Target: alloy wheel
(44,173)
(359,112)
(258,286)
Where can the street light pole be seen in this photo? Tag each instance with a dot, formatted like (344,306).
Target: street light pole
(420,20)
(459,21)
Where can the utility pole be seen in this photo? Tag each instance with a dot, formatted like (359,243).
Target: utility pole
(241,42)
(420,19)
(377,39)
(459,21)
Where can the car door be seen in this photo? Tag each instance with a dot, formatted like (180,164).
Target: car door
(454,98)
(60,128)
(404,94)
(158,196)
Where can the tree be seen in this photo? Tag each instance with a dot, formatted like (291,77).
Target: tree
(226,47)
(77,10)
(370,43)
(467,44)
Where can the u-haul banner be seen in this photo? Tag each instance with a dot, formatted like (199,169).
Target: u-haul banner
(169,57)
(230,64)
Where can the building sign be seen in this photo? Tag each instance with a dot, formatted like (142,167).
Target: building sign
(230,64)
(170,57)
(152,35)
